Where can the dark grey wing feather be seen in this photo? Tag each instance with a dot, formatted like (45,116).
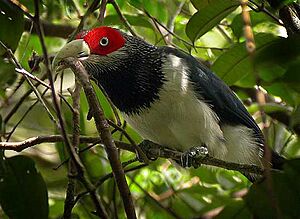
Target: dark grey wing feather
(217,94)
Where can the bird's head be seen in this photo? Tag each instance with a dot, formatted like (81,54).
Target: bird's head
(98,45)
(127,67)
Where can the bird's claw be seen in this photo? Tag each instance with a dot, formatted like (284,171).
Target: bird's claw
(189,157)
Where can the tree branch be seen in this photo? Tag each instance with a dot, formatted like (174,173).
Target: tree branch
(52,30)
(70,193)
(155,151)
(104,132)
(119,12)
(61,123)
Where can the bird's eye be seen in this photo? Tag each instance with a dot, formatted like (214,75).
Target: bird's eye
(104,41)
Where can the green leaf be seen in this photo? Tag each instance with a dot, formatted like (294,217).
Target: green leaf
(284,194)
(235,210)
(136,3)
(7,74)
(279,62)
(292,75)
(237,24)
(132,19)
(200,4)
(285,92)
(235,63)
(268,72)
(270,108)
(277,4)
(12,26)
(281,52)
(208,17)
(23,192)
(247,81)
(30,5)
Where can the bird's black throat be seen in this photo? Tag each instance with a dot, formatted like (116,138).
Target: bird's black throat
(133,81)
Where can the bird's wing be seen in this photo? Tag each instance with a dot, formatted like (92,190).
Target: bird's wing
(217,94)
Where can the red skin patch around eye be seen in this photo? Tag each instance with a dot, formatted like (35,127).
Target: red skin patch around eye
(94,36)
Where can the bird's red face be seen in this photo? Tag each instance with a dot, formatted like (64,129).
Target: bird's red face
(102,40)
(93,45)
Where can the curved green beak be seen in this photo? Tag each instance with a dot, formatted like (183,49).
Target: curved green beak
(76,48)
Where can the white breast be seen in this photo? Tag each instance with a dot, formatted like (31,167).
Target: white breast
(180,120)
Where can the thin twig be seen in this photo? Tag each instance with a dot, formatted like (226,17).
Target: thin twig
(261,8)
(138,150)
(40,98)
(22,8)
(21,70)
(123,19)
(22,118)
(27,75)
(108,176)
(21,100)
(163,37)
(30,142)
(167,209)
(170,32)
(102,11)
(224,34)
(114,109)
(89,11)
(171,21)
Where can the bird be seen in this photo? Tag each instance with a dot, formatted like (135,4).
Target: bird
(170,98)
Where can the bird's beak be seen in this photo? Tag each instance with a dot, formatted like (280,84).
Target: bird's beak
(76,48)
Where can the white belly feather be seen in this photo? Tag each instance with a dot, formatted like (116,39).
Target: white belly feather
(180,120)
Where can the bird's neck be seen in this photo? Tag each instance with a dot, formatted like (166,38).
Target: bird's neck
(133,83)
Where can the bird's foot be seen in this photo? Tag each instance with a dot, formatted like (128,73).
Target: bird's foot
(150,149)
(191,157)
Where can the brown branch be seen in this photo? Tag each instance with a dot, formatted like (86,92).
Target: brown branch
(104,132)
(89,11)
(16,4)
(50,29)
(123,19)
(102,11)
(261,8)
(172,18)
(155,151)
(30,142)
(248,33)
(61,123)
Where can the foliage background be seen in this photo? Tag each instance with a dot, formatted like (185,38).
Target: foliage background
(212,30)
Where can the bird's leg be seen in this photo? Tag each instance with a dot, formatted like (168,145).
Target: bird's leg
(189,157)
(151,150)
